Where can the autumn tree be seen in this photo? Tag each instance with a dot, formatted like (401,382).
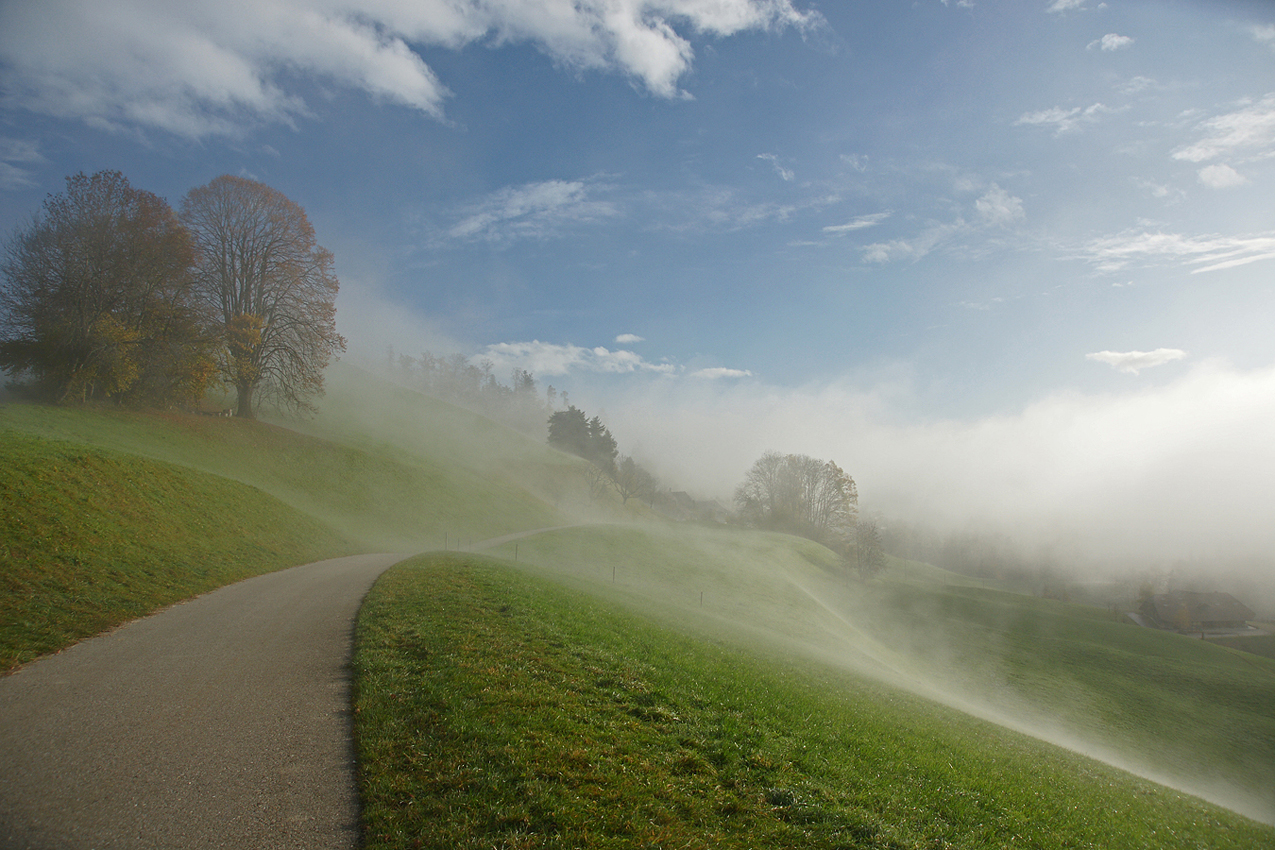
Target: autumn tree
(96,299)
(271,288)
(800,495)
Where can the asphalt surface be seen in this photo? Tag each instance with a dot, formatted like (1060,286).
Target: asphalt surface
(220,722)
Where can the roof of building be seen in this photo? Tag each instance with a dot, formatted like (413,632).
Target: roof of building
(1200,607)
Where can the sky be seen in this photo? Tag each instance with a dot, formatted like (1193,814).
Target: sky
(1007,263)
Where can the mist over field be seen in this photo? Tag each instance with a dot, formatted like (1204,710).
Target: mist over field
(1163,475)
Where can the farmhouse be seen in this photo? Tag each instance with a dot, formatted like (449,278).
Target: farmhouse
(1188,610)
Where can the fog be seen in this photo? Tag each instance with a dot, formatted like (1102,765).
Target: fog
(1150,478)
(1182,471)
(1173,475)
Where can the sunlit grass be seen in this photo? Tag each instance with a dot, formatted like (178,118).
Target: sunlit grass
(1197,714)
(92,538)
(495,709)
(382,497)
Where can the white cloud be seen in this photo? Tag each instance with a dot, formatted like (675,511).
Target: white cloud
(858,223)
(1264,33)
(995,208)
(1066,5)
(532,211)
(785,174)
(545,358)
(717,372)
(1248,129)
(1221,176)
(1136,85)
(629,339)
(1208,253)
(1063,120)
(859,162)
(13,177)
(721,209)
(998,207)
(1111,41)
(214,67)
(1133,362)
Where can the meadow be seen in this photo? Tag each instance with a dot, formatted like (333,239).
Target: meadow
(500,709)
(737,686)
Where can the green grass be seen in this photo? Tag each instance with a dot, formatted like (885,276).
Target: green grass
(94,538)
(110,514)
(1198,715)
(382,497)
(496,709)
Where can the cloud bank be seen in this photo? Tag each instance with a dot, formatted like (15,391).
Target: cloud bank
(1133,362)
(1177,471)
(545,359)
(215,67)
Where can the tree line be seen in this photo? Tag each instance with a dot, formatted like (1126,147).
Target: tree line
(108,294)
(455,378)
(573,431)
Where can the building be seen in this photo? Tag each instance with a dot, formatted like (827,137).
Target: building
(1188,610)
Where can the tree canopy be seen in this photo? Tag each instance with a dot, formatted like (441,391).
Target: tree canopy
(800,495)
(96,299)
(270,287)
(572,432)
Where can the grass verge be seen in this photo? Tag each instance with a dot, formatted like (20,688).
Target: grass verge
(498,710)
(92,538)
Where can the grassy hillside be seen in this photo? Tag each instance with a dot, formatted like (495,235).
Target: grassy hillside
(387,488)
(109,514)
(496,709)
(93,538)
(1186,711)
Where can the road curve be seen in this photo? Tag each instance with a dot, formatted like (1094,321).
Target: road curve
(220,722)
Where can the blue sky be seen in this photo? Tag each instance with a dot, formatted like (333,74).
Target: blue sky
(990,256)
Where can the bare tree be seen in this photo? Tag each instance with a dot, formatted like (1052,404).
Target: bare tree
(801,495)
(271,287)
(96,301)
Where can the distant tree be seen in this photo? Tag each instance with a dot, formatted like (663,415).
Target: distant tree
(602,447)
(271,287)
(632,480)
(96,299)
(569,431)
(800,495)
(864,553)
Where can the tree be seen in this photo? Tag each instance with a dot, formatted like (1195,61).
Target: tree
(271,288)
(632,480)
(864,553)
(800,495)
(569,431)
(97,299)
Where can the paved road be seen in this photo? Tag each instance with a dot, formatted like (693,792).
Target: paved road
(220,722)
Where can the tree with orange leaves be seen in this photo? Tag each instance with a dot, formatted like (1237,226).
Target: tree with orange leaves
(271,287)
(96,300)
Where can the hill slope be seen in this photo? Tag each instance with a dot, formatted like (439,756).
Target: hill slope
(92,538)
(1197,716)
(498,709)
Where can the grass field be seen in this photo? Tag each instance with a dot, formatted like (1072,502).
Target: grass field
(94,538)
(1184,711)
(375,492)
(497,709)
(110,514)
(735,685)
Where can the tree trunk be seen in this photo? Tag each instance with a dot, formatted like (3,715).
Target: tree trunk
(243,408)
